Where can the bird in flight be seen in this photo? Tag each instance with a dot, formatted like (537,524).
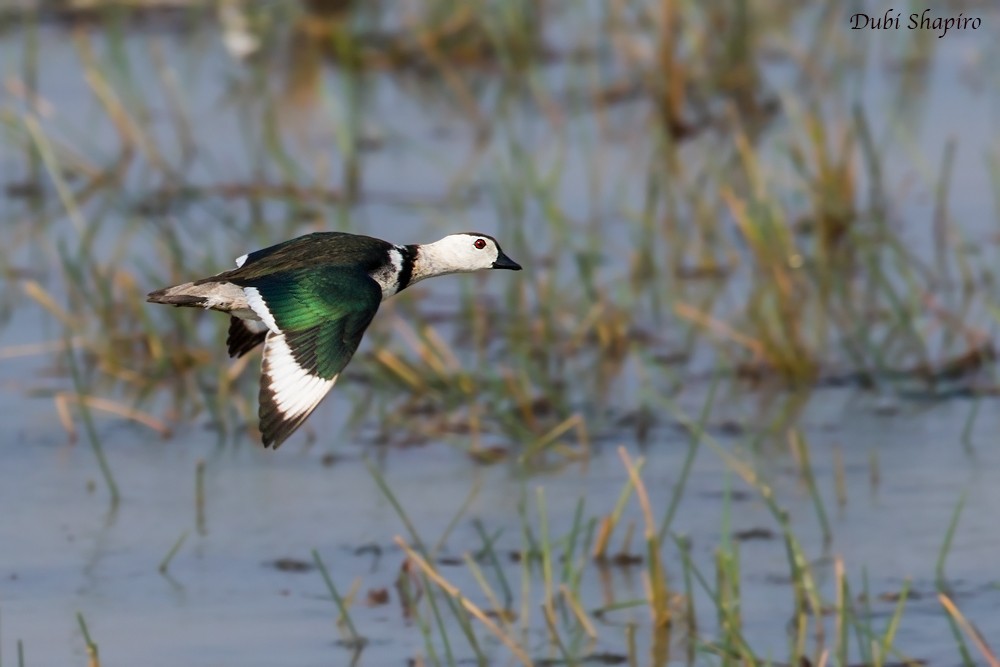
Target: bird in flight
(309,301)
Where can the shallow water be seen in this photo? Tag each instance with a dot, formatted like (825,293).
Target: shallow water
(224,602)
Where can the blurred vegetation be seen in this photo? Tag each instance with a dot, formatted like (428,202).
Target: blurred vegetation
(694,190)
(679,218)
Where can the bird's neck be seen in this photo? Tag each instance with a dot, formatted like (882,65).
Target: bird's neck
(431,259)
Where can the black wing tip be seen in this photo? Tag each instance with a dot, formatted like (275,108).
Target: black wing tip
(269,441)
(275,428)
(271,431)
(269,421)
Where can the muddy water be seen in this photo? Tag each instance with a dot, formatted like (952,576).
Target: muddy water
(224,602)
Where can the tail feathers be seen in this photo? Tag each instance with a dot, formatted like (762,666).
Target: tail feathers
(219,296)
(169,296)
(186,294)
(244,336)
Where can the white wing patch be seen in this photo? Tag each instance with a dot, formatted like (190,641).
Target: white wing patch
(241,260)
(257,305)
(295,392)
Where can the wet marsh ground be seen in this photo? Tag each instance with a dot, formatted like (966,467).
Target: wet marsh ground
(740,407)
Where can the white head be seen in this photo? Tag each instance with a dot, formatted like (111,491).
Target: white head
(460,253)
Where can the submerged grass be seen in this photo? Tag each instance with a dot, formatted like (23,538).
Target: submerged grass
(688,229)
(164,567)
(354,641)
(561,623)
(92,435)
(93,656)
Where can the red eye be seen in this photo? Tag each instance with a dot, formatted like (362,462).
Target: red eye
(479,244)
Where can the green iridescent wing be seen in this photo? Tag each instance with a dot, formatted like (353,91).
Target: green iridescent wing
(316,318)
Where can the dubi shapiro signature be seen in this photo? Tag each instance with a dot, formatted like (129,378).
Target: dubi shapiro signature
(925,20)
